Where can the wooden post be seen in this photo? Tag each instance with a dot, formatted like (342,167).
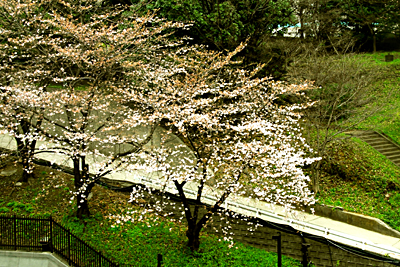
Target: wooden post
(389,58)
(159,260)
(304,250)
(15,231)
(279,248)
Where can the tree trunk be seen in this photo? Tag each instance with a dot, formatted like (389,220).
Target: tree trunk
(26,166)
(316,176)
(80,178)
(194,227)
(25,156)
(374,43)
(82,204)
(26,148)
(193,238)
(372,31)
(301,30)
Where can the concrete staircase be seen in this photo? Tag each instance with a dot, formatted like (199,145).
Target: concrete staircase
(382,143)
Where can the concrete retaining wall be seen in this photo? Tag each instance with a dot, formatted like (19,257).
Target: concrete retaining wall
(359,220)
(321,254)
(29,259)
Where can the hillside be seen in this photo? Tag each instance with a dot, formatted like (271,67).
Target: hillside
(357,177)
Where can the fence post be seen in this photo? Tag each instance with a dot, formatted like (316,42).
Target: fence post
(45,240)
(159,260)
(304,250)
(15,231)
(69,247)
(279,248)
(51,235)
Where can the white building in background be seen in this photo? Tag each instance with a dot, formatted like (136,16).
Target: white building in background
(290,31)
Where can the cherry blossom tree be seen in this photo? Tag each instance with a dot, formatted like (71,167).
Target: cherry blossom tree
(242,142)
(88,126)
(61,65)
(20,73)
(21,122)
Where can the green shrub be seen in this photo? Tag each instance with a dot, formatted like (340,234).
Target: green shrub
(4,210)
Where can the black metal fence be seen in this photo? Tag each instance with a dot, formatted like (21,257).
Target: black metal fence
(45,234)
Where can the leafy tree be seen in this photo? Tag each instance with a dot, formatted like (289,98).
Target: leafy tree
(331,21)
(226,24)
(223,25)
(371,17)
(321,25)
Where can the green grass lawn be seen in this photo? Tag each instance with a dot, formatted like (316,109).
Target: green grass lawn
(139,244)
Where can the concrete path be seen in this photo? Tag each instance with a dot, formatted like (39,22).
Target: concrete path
(333,230)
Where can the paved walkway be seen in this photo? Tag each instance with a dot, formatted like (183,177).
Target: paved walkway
(333,230)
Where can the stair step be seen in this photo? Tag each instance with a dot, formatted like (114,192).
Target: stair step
(379,142)
(367,137)
(389,150)
(384,146)
(390,153)
(370,139)
(393,156)
(366,132)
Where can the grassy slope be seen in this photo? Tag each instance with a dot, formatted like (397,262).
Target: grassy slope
(387,95)
(359,178)
(130,243)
